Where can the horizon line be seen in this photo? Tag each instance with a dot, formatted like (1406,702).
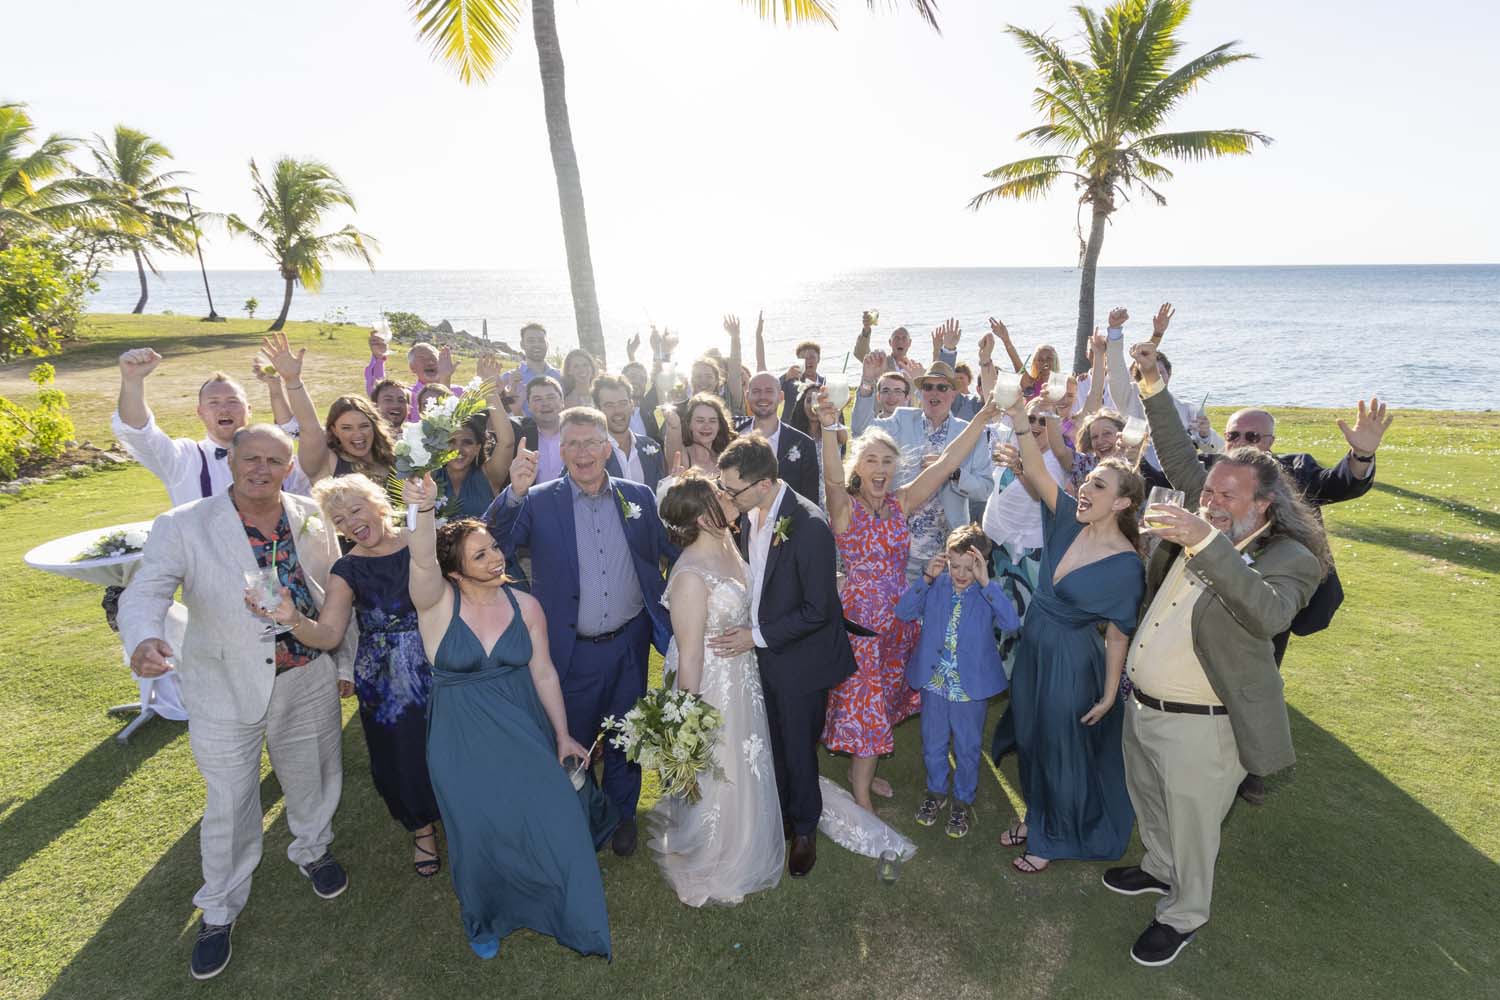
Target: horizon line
(869,267)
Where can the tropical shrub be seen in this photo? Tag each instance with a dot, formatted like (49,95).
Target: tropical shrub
(40,431)
(41,299)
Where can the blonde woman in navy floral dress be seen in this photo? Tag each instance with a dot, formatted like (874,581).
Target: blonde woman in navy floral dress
(867,514)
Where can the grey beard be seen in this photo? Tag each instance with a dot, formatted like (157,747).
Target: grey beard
(1241,529)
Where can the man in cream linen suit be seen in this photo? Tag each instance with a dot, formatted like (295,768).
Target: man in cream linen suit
(242,686)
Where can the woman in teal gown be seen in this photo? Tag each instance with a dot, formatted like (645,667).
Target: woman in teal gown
(520,845)
(1066,681)
(476,475)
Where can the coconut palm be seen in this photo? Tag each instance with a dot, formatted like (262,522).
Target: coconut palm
(292,207)
(150,210)
(473,36)
(39,188)
(1103,109)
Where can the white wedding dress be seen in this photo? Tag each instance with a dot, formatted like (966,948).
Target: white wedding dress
(730,842)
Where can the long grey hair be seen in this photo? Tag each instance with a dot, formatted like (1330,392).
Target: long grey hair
(1289,514)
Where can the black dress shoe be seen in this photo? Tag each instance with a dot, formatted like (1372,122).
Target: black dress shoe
(625,837)
(1133,881)
(803,855)
(1159,944)
(212,950)
(1253,790)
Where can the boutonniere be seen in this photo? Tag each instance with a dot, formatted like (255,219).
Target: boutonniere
(650,449)
(782,531)
(1248,560)
(794,453)
(632,511)
(311,523)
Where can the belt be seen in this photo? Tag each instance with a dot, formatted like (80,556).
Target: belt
(605,636)
(1177,706)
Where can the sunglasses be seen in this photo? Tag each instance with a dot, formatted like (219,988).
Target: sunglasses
(935,387)
(1249,437)
(732,494)
(1033,419)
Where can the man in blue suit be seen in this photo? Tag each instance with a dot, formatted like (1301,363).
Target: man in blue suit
(588,526)
(632,456)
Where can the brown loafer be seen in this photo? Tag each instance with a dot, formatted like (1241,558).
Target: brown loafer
(803,855)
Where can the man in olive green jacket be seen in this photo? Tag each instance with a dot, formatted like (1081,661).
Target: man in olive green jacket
(1232,568)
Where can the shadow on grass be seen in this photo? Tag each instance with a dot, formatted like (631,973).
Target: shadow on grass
(1486,519)
(1462,551)
(93,355)
(73,794)
(1342,886)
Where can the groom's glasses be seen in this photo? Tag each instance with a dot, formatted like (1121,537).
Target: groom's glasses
(732,494)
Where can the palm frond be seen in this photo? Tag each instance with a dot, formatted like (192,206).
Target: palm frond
(470,37)
(925,9)
(794,11)
(1024,180)
(1066,76)
(1066,137)
(1154,106)
(1204,145)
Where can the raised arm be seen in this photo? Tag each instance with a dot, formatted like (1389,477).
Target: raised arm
(281,407)
(426,585)
(1122,390)
(734,378)
(497,467)
(135,365)
(839,510)
(1033,468)
(1174,448)
(689,607)
(312,445)
(931,479)
(760,342)
(1062,449)
(673,450)
(999,330)
(1095,399)
(862,342)
(375,370)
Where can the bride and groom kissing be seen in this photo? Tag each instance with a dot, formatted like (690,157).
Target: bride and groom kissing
(758,631)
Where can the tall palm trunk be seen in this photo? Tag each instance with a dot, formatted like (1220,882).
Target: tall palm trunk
(140,269)
(569,186)
(1086,286)
(286,307)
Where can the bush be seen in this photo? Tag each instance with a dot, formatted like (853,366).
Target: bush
(405,325)
(251,304)
(41,299)
(42,431)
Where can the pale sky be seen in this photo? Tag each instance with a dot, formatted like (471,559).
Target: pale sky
(710,142)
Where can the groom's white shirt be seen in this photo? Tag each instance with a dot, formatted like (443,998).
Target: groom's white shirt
(762,532)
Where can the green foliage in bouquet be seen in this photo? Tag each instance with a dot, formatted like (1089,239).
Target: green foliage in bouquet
(672,733)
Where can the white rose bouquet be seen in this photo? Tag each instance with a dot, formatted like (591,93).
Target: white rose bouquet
(426,444)
(116,543)
(672,733)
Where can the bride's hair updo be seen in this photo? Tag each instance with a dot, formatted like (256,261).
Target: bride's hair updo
(694,495)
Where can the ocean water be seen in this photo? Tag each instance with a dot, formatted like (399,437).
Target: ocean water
(1420,336)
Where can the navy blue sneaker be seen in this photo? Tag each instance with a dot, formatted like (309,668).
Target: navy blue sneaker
(1159,944)
(212,950)
(327,875)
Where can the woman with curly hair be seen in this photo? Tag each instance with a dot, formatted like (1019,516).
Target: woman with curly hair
(355,437)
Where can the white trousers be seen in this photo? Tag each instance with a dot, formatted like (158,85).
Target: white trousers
(301,732)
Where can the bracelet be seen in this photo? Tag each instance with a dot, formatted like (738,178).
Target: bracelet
(427,510)
(290,386)
(1361,458)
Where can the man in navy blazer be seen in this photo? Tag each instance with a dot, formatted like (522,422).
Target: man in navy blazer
(796,455)
(632,456)
(588,526)
(796,628)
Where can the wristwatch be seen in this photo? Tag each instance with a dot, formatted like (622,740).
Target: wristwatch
(1361,458)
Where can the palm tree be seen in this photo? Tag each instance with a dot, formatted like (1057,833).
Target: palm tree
(473,36)
(292,207)
(1103,109)
(150,204)
(39,188)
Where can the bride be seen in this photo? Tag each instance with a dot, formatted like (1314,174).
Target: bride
(729,843)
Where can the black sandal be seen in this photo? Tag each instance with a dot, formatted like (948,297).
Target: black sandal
(1013,837)
(430,865)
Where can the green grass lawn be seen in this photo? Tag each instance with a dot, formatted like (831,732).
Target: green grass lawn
(1371,872)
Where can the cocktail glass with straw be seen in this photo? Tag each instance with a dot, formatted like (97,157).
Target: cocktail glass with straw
(1057,386)
(265,585)
(1007,389)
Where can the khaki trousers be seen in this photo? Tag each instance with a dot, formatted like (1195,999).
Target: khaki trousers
(1182,772)
(301,731)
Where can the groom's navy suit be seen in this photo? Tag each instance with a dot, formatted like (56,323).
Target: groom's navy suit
(807,650)
(605,674)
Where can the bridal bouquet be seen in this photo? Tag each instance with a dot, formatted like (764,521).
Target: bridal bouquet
(426,444)
(116,543)
(672,733)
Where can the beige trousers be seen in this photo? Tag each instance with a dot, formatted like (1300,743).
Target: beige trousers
(1182,772)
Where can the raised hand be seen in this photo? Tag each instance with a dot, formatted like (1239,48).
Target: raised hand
(138,362)
(874,365)
(794,373)
(732,327)
(1144,355)
(446,366)
(522,471)
(1160,321)
(1007,456)
(488,368)
(279,352)
(152,658)
(866,321)
(986,348)
(419,492)
(827,415)
(981,568)
(632,345)
(669,341)
(264,374)
(378,346)
(1370,425)
(950,334)
(1098,344)
(655,341)
(913,369)
(999,330)
(760,323)
(1118,316)
(936,566)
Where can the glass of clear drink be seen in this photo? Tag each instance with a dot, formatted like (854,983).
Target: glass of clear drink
(1057,386)
(1160,495)
(1134,432)
(265,587)
(837,386)
(1007,389)
(888,868)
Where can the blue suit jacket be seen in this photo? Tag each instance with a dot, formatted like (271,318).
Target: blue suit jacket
(543,522)
(984,610)
(653,462)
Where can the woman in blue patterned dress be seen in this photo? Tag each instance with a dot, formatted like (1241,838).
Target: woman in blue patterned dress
(391,673)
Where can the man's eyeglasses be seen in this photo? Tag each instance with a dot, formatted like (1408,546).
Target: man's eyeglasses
(1249,437)
(592,444)
(732,494)
(935,387)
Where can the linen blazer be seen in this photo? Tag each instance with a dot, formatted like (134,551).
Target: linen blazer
(226,667)
(544,522)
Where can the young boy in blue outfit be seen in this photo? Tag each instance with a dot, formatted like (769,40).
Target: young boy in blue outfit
(956,666)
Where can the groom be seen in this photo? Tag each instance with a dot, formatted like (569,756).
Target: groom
(797,628)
